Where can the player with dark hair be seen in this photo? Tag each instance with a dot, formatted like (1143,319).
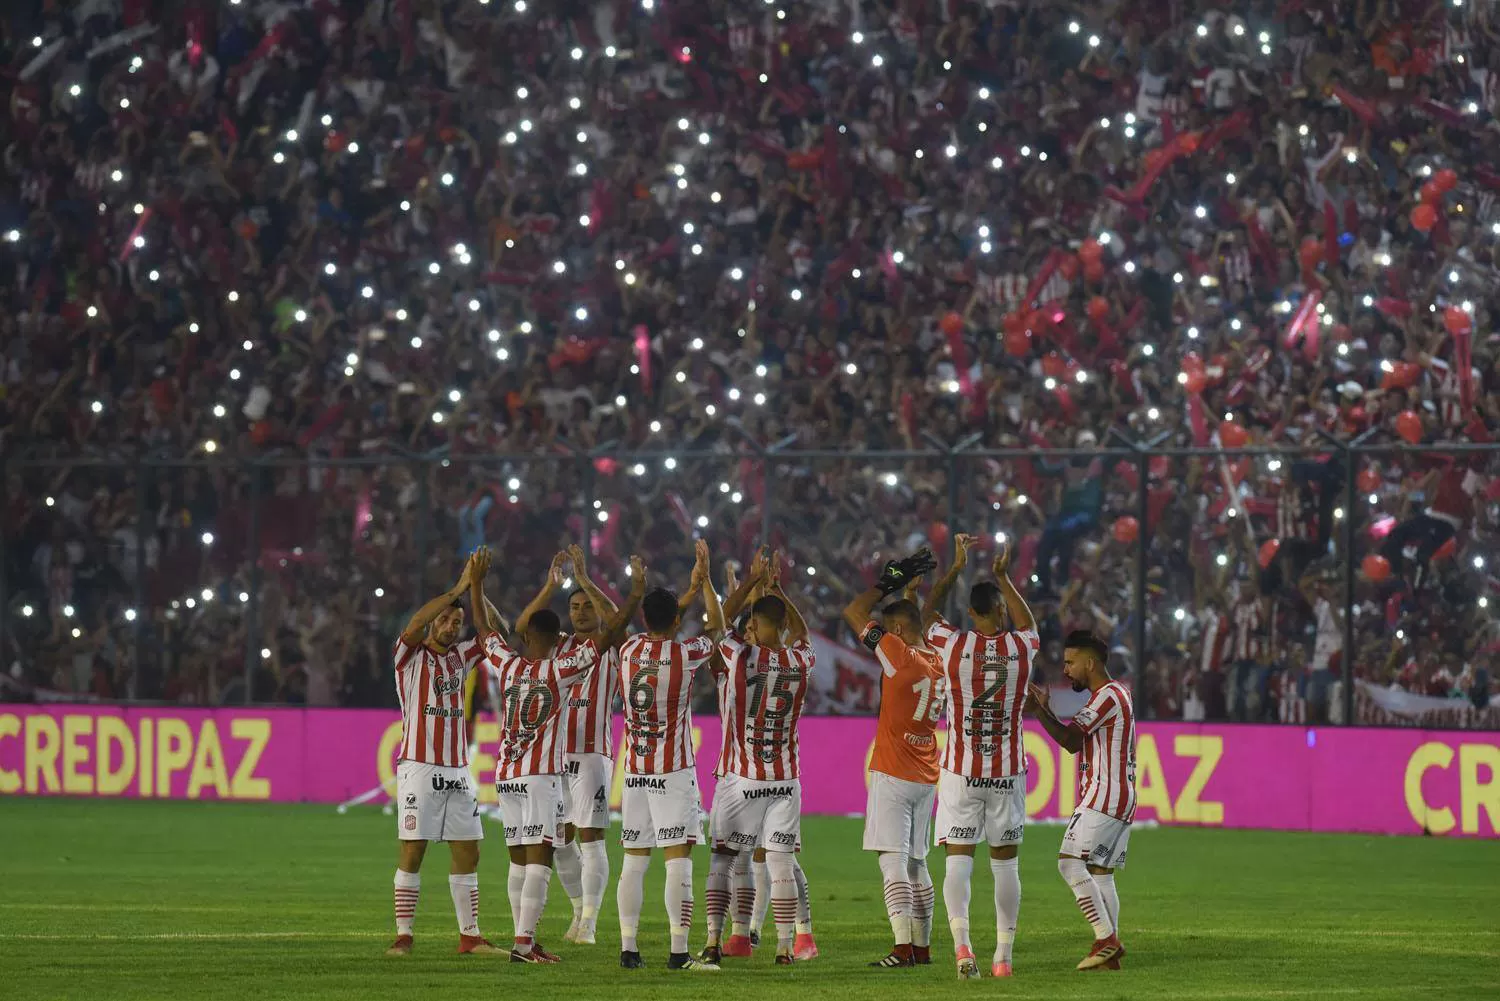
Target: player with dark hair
(661,807)
(1099,832)
(904,764)
(982,784)
(434,792)
(758,801)
(533,685)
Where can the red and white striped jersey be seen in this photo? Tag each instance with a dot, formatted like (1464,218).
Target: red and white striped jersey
(531,702)
(658,679)
(760,701)
(987,678)
(1106,777)
(1215,637)
(430,688)
(589,709)
(1249,628)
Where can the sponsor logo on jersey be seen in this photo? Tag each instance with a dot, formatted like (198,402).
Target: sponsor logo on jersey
(1013,834)
(958,833)
(1005,783)
(510,834)
(411,801)
(741,839)
(774,792)
(783,838)
(442,713)
(449,685)
(533,831)
(440,784)
(510,788)
(920,739)
(580,703)
(645,782)
(663,833)
(629,835)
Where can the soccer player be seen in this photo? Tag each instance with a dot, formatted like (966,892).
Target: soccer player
(437,801)
(582,861)
(759,800)
(904,766)
(661,807)
(1093,846)
(533,685)
(982,785)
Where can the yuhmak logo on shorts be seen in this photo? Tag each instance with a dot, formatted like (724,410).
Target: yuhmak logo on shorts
(1006,783)
(774,792)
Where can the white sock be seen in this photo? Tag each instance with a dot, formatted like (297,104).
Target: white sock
(1106,883)
(595,878)
(1007,874)
(744,893)
(679,899)
(568,862)
(515,883)
(783,898)
(464,888)
(898,903)
(716,894)
(533,903)
(628,897)
(408,888)
(762,902)
(1086,891)
(804,899)
(922,899)
(956,877)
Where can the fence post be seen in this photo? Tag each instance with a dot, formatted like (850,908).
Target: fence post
(143,616)
(1347,660)
(1143,516)
(252,608)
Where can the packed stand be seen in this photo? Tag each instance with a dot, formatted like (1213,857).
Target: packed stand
(639,244)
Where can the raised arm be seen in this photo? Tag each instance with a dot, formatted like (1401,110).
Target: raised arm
(703,582)
(603,606)
(1021,618)
(412,634)
(479,605)
(796,624)
(546,594)
(757,573)
(614,624)
(857,613)
(938,596)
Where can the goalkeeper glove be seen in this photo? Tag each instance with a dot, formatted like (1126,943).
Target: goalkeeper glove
(897,574)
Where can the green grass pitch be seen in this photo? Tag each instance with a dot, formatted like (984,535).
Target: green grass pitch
(128,900)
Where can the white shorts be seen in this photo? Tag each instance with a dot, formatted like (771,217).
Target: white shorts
(436,803)
(973,810)
(586,787)
(898,815)
(749,812)
(532,809)
(660,811)
(1098,839)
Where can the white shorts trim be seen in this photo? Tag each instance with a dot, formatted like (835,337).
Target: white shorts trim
(586,779)
(436,803)
(972,810)
(1098,839)
(531,808)
(749,813)
(898,815)
(661,811)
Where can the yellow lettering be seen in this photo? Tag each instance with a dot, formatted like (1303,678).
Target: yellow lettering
(1039,750)
(148,751)
(208,764)
(109,731)
(1430,755)
(1150,780)
(245,785)
(1208,749)
(10,726)
(385,757)
(174,749)
(1474,794)
(42,744)
(1067,783)
(75,754)
(486,734)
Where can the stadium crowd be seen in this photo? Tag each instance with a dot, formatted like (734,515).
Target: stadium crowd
(650,252)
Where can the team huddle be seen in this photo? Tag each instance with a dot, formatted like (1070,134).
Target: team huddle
(555,693)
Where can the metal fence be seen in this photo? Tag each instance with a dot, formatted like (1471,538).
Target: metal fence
(285,578)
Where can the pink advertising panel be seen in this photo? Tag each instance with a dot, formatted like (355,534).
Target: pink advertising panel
(1389,781)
